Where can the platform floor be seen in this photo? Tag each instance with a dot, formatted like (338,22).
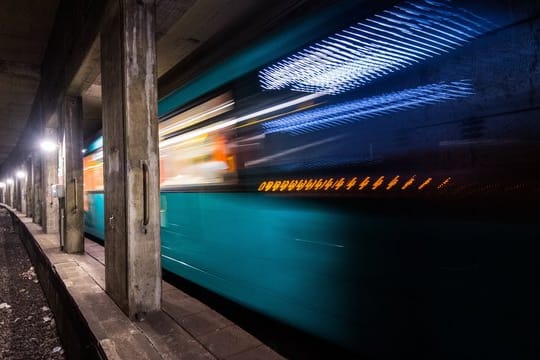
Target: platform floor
(184,329)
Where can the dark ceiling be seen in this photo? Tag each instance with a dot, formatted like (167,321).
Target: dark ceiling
(183,27)
(25,26)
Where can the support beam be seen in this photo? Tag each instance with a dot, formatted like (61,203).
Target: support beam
(131,166)
(37,194)
(73,180)
(17,191)
(29,187)
(19,70)
(10,186)
(50,218)
(22,190)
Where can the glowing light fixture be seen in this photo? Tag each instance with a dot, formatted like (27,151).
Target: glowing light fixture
(48,145)
(20,174)
(9,181)
(391,41)
(2,185)
(352,111)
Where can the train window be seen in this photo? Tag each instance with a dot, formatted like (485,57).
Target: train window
(92,174)
(93,171)
(195,147)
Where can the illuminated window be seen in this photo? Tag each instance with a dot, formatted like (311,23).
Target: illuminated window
(202,156)
(92,174)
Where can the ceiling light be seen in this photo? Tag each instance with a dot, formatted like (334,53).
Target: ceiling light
(48,145)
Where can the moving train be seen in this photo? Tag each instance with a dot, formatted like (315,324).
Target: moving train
(340,174)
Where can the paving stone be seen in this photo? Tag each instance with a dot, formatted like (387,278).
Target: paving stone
(259,353)
(170,339)
(229,341)
(204,322)
(180,307)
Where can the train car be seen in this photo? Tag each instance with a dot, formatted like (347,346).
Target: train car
(347,174)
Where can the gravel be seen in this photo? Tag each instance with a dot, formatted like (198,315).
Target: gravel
(27,326)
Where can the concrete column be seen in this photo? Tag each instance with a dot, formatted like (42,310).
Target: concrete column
(73,232)
(131,166)
(14,195)
(37,194)
(16,192)
(22,191)
(29,186)
(50,214)
(10,187)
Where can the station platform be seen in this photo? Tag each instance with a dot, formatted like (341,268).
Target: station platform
(91,325)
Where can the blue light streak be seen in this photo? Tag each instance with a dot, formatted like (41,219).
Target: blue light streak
(356,110)
(96,144)
(391,41)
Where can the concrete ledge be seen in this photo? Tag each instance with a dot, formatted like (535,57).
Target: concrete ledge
(92,326)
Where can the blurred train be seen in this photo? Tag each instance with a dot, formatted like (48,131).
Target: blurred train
(351,174)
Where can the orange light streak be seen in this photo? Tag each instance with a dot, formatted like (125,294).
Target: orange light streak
(377,183)
(392,182)
(425,183)
(364,183)
(444,183)
(408,182)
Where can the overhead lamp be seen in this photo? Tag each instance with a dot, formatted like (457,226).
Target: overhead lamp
(20,174)
(9,181)
(2,185)
(48,145)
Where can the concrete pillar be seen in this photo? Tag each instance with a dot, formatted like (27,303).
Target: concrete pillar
(16,193)
(29,186)
(22,190)
(37,194)
(50,214)
(73,233)
(131,166)
(10,191)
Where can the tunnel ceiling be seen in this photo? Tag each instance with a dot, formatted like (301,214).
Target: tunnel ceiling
(25,26)
(183,26)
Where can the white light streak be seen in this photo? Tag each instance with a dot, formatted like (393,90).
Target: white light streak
(231,122)
(385,43)
(353,111)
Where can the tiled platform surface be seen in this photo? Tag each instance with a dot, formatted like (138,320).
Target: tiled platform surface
(184,329)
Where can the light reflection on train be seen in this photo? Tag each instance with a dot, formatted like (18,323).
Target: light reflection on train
(268,181)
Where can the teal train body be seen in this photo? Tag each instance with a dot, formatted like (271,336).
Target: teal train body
(362,176)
